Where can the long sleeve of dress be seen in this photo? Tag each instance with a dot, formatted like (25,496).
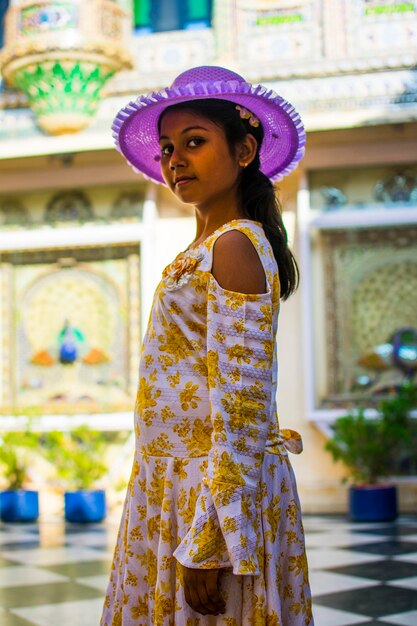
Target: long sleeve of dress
(226,529)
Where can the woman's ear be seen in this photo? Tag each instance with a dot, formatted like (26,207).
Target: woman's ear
(247,150)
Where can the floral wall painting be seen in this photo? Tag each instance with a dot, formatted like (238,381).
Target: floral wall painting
(71,331)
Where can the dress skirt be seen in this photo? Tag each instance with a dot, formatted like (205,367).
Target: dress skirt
(145,587)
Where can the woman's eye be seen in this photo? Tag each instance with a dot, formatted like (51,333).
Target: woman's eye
(195,141)
(166,150)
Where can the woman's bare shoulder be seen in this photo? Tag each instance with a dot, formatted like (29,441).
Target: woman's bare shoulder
(236,264)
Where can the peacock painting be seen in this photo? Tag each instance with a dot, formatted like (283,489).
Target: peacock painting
(73,341)
(71,346)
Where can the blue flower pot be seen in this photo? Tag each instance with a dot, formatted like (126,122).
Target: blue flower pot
(85,506)
(19,505)
(373,503)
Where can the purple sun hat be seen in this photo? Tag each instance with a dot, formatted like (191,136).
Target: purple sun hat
(135,127)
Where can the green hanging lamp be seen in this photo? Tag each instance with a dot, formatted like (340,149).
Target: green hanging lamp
(61,53)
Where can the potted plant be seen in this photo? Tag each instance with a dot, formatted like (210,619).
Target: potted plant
(372,448)
(77,456)
(18,504)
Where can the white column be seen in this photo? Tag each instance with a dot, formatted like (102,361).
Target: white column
(225,24)
(148,275)
(306,288)
(335,19)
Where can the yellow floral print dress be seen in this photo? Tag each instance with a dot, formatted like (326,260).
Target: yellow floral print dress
(211,486)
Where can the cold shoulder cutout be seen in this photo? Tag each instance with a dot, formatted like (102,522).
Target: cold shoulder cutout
(236,263)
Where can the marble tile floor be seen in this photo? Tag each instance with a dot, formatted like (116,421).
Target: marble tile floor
(361,574)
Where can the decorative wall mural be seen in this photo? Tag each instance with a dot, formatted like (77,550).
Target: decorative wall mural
(96,205)
(48,18)
(13,213)
(70,206)
(71,332)
(380,27)
(366,188)
(128,205)
(371,311)
(398,188)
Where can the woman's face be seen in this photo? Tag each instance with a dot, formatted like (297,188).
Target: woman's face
(196,161)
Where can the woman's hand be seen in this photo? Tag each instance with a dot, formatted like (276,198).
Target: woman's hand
(202,590)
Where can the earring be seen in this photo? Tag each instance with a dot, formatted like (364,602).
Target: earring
(243,165)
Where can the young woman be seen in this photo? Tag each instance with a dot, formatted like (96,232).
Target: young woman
(211,530)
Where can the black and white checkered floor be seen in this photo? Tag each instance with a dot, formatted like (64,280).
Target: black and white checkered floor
(52,575)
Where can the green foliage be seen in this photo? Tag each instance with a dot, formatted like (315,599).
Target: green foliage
(77,456)
(16,454)
(371,447)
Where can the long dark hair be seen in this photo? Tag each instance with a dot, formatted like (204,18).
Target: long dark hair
(257,194)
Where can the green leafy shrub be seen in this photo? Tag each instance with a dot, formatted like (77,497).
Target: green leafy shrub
(372,447)
(77,455)
(17,451)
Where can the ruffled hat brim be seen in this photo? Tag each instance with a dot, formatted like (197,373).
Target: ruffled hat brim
(135,127)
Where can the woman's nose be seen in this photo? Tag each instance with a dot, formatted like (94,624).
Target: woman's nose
(177,158)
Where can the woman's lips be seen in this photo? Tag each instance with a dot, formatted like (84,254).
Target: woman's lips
(183,181)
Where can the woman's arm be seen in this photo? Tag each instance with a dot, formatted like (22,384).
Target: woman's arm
(226,530)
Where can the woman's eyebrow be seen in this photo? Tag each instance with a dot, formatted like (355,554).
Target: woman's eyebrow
(186,130)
